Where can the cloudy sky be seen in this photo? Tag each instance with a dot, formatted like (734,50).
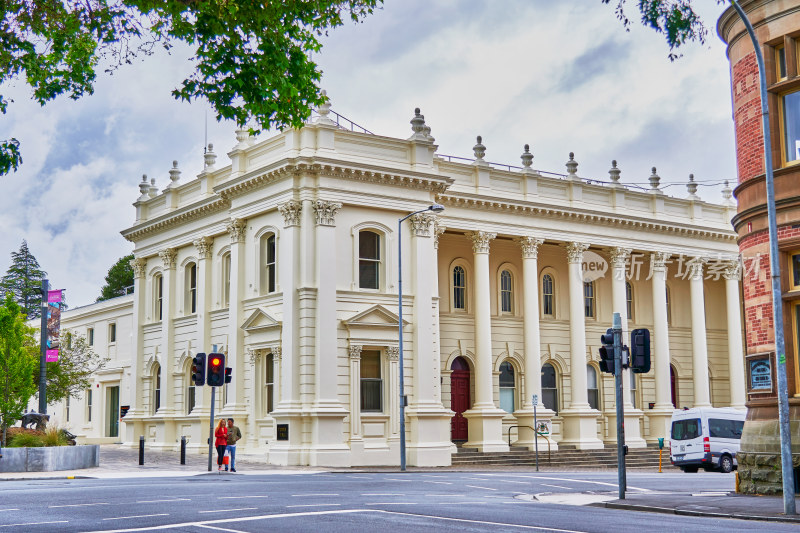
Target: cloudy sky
(561,76)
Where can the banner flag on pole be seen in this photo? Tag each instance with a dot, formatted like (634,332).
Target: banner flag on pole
(53,325)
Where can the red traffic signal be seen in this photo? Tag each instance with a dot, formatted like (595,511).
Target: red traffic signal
(216,369)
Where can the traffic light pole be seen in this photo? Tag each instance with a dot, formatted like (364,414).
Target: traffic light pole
(617,330)
(211,430)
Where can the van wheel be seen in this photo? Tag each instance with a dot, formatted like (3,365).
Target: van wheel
(689,469)
(726,464)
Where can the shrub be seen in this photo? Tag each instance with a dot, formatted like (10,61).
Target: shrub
(25,440)
(54,436)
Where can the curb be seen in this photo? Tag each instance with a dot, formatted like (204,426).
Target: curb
(48,478)
(684,512)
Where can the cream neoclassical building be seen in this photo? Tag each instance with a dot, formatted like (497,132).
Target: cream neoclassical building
(285,258)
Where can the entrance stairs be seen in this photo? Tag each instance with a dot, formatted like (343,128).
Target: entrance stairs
(564,458)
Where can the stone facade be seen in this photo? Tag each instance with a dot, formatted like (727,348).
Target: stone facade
(286,260)
(776,23)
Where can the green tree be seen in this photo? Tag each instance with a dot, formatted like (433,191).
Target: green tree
(23,280)
(251,59)
(118,280)
(73,372)
(19,363)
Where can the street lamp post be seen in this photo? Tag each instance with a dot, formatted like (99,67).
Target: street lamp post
(436,208)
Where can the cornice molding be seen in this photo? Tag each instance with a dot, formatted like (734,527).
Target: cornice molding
(197,210)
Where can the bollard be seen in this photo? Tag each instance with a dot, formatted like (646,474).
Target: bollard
(141,450)
(183,449)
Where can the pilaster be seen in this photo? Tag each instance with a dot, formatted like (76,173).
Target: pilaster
(735,352)
(132,424)
(235,405)
(702,396)
(661,413)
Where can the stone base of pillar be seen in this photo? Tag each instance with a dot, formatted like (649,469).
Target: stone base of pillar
(525,434)
(429,436)
(580,429)
(327,436)
(633,424)
(133,427)
(659,419)
(288,452)
(485,429)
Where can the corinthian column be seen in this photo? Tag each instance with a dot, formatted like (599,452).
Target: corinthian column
(237,229)
(485,420)
(204,246)
(702,397)
(132,425)
(735,353)
(580,421)
(661,413)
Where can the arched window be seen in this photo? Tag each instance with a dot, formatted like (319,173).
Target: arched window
(459,288)
(588,299)
(268,271)
(592,387)
(549,387)
(190,282)
(226,279)
(506,292)
(269,403)
(507,387)
(629,299)
(633,388)
(191,399)
(548,296)
(158,298)
(369,259)
(156,388)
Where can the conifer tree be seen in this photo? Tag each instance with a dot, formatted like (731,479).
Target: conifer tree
(23,280)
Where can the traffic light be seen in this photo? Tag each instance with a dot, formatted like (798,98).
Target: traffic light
(199,370)
(607,352)
(228,372)
(640,351)
(216,369)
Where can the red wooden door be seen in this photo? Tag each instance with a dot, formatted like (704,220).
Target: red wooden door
(459,402)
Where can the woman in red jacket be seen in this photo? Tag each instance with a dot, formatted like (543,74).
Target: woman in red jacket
(221,441)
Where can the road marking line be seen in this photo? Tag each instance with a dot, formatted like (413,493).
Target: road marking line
(315,505)
(477,487)
(364,494)
(446,495)
(313,494)
(463,503)
(79,505)
(554,486)
(137,516)
(170,500)
(393,503)
(539,528)
(575,481)
(219,528)
(393,479)
(239,497)
(440,482)
(36,523)
(1,510)
(509,481)
(709,493)
(229,510)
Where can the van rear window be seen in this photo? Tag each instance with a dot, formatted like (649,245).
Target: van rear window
(725,429)
(686,429)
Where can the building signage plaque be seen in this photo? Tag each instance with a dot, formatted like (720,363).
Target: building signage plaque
(761,375)
(283,431)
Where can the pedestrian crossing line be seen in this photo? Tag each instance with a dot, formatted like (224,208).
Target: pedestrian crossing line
(312,494)
(239,497)
(136,516)
(78,505)
(478,487)
(36,523)
(229,510)
(315,505)
(168,500)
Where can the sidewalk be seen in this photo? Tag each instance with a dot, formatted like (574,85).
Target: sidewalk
(710,504)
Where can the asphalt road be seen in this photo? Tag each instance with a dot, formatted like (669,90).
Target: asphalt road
(348,502)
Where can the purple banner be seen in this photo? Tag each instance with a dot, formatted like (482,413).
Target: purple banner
(53,325)
(51,355)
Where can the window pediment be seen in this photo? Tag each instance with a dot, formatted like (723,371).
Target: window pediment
(376,317)
(260,321)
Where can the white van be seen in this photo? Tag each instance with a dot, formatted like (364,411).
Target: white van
(706,437)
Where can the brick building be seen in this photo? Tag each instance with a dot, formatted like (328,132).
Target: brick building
(777,26)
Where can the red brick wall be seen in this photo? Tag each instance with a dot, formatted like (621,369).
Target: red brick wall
(757,287)
(747,118)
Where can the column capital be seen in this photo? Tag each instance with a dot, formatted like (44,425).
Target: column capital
(480,241)
(393,353)
(325,212)
(355,352)
(733,269)
(252,355)
(530,246)
(695,267)
(276,352)
(138,264)
(290,211)
(438,229)
(658,261)
(205,246)
(575,251)
(421,224)
(619,256)
(168,257)
(237,228)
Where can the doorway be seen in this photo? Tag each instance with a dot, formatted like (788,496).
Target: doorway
(112,403)
(459,399)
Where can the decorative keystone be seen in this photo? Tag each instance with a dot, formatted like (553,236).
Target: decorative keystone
(614,173)
(654,180)
(209,158)
(479,150)
(572,167)
(691,187)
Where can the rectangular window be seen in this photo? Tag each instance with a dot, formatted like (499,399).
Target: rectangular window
(193,289)
(506,292)
(790,111)
(371,382)
(633,389)
(191,398)
(686,429)
(226,278)
(88,405)
(270,382)
(112,333)
(725,429)
(369,260)
(588,299)
(66,408)
(780,62)
(90,336)
(547,295)
(794,270)
(271,263)
(159,296)
(459,288)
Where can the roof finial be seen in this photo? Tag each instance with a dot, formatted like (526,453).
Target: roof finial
(572,167)
(527,157)
(144,189)
(152,191)
(727,194)
(174,175)
(691,187)
(479,150)
(654,179)
(614,173)
(210,158)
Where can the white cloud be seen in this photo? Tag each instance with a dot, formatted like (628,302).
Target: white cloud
(562,76)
